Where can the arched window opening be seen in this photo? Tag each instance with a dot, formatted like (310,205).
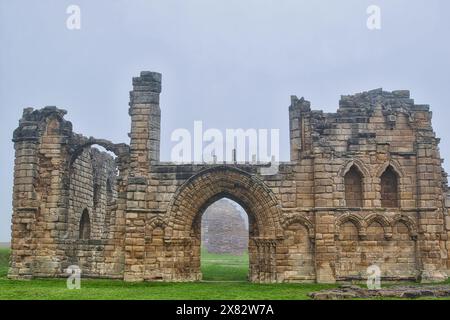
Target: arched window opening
(85,226)
(389,189)
(353,188)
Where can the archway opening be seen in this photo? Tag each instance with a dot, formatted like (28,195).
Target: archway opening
(205,188)
(225,242)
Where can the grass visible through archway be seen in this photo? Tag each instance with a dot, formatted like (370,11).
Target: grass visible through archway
(224,267)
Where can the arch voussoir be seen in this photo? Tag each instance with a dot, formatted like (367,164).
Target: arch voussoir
(191,198)
(198,192)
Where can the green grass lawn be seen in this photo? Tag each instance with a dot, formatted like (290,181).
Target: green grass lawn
(224,278)
(4,260)
(224,267)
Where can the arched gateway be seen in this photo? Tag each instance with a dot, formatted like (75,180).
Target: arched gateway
(197,193)
(363,186)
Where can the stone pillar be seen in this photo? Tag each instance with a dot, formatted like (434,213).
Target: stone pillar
(39,206)
(145,121)
(297,126)
(325,247)
(431,215)
(430,204)
(135,216)
(263,260)
(144,151)
(134,246)
(52,172)
(25,202)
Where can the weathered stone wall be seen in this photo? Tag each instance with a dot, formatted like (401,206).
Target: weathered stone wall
(394,253)
(365,185)
(92,188)
(299,263)
(56,173)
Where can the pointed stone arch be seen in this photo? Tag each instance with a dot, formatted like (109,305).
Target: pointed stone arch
(349,171)
(358,164)
(299,247)
(390,178)
(350,229)
(408,221)
(157,222)
(407,259)
(153,224)
(210,185)
(120,150)
(359,223)
(389,189)
(382,220)
(303,220)
(394,164)
(193,198)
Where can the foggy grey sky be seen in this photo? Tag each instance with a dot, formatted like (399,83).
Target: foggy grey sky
(230,63)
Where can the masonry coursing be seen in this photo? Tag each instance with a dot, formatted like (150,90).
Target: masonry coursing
(364,185)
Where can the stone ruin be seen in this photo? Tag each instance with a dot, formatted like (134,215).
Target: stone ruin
(224,229)
(345,292)
(364,185)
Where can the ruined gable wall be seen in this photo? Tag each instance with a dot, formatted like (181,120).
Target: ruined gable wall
(371,131)
(54,184)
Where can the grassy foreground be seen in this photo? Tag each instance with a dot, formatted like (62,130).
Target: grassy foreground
(224,267)
(224,279)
